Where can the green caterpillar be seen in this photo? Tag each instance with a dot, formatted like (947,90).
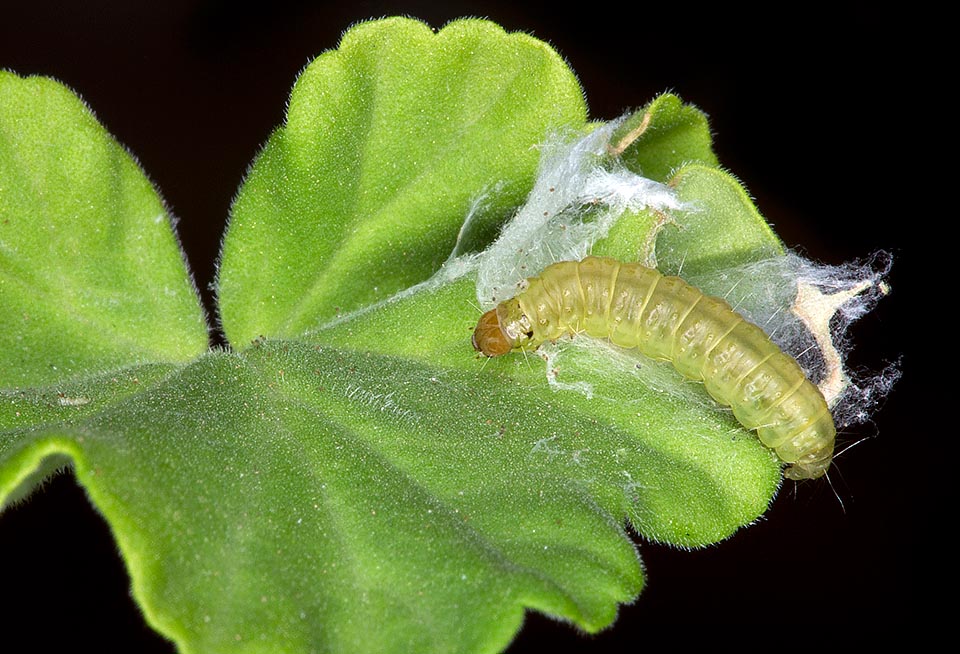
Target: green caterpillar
(667,318)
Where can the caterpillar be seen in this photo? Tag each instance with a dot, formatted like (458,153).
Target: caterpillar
(666,318)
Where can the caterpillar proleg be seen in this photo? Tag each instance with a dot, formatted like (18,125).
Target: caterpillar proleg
(666,318)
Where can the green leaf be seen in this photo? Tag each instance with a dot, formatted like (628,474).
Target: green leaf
(364,483)
(389,143)
(91,275)
(294,504)
(723,230)
(720,230)
(666,134)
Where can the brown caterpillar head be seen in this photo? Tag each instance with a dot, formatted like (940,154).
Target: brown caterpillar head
(502,329)
(489,338)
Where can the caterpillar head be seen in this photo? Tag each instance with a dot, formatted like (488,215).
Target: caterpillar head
(502,329)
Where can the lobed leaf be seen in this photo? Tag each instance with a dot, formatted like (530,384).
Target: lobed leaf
(364,483)
(91,275)
(390,141)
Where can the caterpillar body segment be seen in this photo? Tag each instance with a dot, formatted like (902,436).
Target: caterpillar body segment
(666,318)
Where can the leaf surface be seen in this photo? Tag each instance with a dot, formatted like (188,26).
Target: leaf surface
(390,142)
(91,275)
(350,477)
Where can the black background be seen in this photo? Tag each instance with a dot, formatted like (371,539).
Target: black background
(813,109)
